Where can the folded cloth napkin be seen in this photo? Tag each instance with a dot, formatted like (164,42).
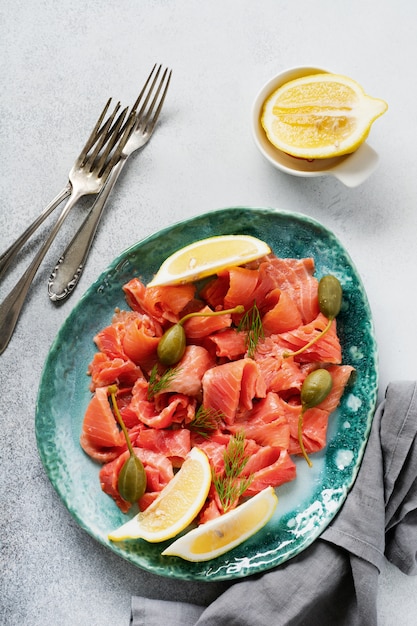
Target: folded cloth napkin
(335,580)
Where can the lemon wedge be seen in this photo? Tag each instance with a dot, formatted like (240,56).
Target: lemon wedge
(223,533)
(320,116)
(208,256)
(175,507)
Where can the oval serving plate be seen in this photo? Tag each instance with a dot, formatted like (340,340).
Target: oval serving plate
(306,505)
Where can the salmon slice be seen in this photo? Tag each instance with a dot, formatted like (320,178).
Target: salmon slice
(162,412)
(212,508)
(232,386)
(296,277)
(110,339)
(174,444)
(266,423)
(340,376)
(215,290)
(190,370)
(158,469)
(242,285)
(315,423)
(105,371)
(140,340)
(134,292)
(100,427)
(326,350)
(283,470)
(109,475)
(283,314)
(284,376)
(147,499)
(100,455)
(200,327)
(109,342)
(164,304)
(147,412)
(275,433)
(228,343)
(262,457)
(214,448)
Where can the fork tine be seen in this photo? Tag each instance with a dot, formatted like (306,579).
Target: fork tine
(145,103)
(112,116)
(136,104)
(111,139)
(95,133)
(104,136)
(161,101)
(117,142)
(139,98)
(128,126)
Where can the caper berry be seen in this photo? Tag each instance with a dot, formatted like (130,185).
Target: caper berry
(330,296)
(131,482)
(132,479)
(171,346)
(330,301)
(316,387)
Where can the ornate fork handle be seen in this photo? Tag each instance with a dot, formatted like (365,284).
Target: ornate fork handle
(67,272)
(7,257)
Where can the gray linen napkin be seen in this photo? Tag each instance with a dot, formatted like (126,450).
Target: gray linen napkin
(334,581)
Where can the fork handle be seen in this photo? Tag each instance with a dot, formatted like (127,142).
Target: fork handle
(67,272)
(12,305)
(7,257)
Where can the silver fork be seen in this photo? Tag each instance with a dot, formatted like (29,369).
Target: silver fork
(88,176)
(66,274)
(10,254)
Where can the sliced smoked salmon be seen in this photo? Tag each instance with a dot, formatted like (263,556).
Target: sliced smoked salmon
(254,393)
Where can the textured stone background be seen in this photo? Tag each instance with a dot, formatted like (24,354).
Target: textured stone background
(59,63)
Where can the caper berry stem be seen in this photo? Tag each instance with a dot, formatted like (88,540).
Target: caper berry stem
(300,437)
(113,390)
(131,481)
(237,309)
(310,343)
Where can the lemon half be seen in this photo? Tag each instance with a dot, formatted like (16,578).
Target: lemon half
(223,533)
(320,116)
(175,507)
(208,256)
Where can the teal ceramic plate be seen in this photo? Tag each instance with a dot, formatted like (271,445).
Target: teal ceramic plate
(306,505)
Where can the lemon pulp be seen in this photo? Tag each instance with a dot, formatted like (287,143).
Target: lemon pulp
(229,532)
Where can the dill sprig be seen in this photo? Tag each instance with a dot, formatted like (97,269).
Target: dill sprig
(206,421)
(230,485)
(252,323)
(158,383)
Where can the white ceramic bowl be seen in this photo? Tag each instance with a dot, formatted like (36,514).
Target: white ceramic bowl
(351,169)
